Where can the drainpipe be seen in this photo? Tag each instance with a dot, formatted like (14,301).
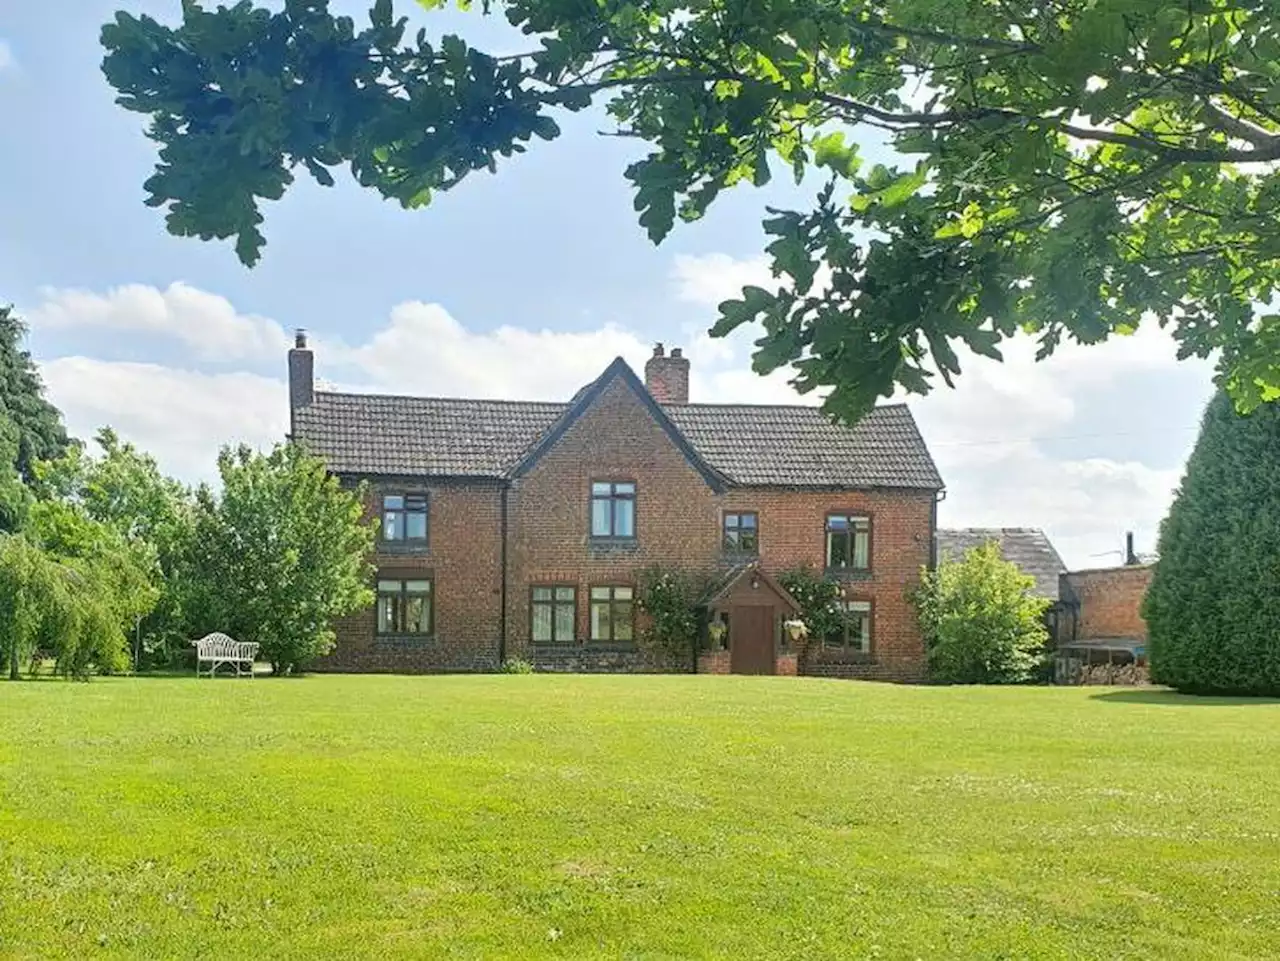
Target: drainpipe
(938,498)
(502,591)
(702,620)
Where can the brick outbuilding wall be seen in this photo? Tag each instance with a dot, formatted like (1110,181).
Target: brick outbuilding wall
(1109,601)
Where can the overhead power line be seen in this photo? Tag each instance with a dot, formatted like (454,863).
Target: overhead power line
(1048,438)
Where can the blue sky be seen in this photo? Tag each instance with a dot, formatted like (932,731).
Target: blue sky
(524,284)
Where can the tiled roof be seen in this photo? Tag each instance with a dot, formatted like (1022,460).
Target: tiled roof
(1028,547)
(749,445)
(799,446)
(379,434)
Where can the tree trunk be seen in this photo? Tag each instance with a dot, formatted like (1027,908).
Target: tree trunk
(13,659)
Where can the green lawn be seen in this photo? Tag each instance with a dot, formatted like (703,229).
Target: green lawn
(627,817)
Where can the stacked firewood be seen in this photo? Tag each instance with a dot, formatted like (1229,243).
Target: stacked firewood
(1130,675)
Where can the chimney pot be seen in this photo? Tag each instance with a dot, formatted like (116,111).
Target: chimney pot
(658,350)
(302,363)
(667,378)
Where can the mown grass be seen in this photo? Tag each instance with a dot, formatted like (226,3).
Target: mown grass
(639,818)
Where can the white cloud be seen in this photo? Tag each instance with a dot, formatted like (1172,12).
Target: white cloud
(997,438)
(181,416)
(206,324)
(711,278)
(424,350)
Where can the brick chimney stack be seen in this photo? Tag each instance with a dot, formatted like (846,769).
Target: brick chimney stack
(667,377)
(302,366)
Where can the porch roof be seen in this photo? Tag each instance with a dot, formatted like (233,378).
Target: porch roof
(723,589)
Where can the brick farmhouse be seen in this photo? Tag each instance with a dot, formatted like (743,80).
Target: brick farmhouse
(517,530)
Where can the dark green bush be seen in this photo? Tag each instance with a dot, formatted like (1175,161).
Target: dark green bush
(1213,609)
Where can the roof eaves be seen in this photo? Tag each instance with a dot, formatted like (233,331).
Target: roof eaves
(919,437)
(382,477)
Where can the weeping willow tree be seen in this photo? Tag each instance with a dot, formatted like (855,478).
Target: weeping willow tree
(71,588)
(35,604)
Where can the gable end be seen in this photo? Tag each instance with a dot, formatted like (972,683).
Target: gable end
(588,396)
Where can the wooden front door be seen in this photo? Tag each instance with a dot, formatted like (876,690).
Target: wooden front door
(751,639)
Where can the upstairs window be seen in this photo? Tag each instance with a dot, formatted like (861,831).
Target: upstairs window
(612,614)
(855,633)
(404,607)
(553,613)
(613,509)
(848,542)
(404,518)
(741,534)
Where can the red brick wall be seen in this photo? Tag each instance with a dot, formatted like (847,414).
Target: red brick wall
(793,533)
(1110,601)
(678,518)
(713,662)
(463,557)
(676,514)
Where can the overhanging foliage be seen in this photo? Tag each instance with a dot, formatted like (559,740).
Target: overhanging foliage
(1070,169)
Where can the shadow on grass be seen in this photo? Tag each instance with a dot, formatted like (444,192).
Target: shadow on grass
(1168,698)
(262,673)
(160,674)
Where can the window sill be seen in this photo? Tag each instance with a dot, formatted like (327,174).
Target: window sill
(734,558)
(402,547)
(556,645)
(848,574)
(620,646)
(403,640)
(613,545)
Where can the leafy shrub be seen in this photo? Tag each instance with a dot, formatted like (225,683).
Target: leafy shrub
(819,601)
(279,556)
(1213,608)
(669,597)
(516,665)
(982,624)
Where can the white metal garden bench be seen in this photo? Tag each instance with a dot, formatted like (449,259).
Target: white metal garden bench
(217,650)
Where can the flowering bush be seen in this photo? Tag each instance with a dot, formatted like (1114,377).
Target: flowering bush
(819,601)
(669,598)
